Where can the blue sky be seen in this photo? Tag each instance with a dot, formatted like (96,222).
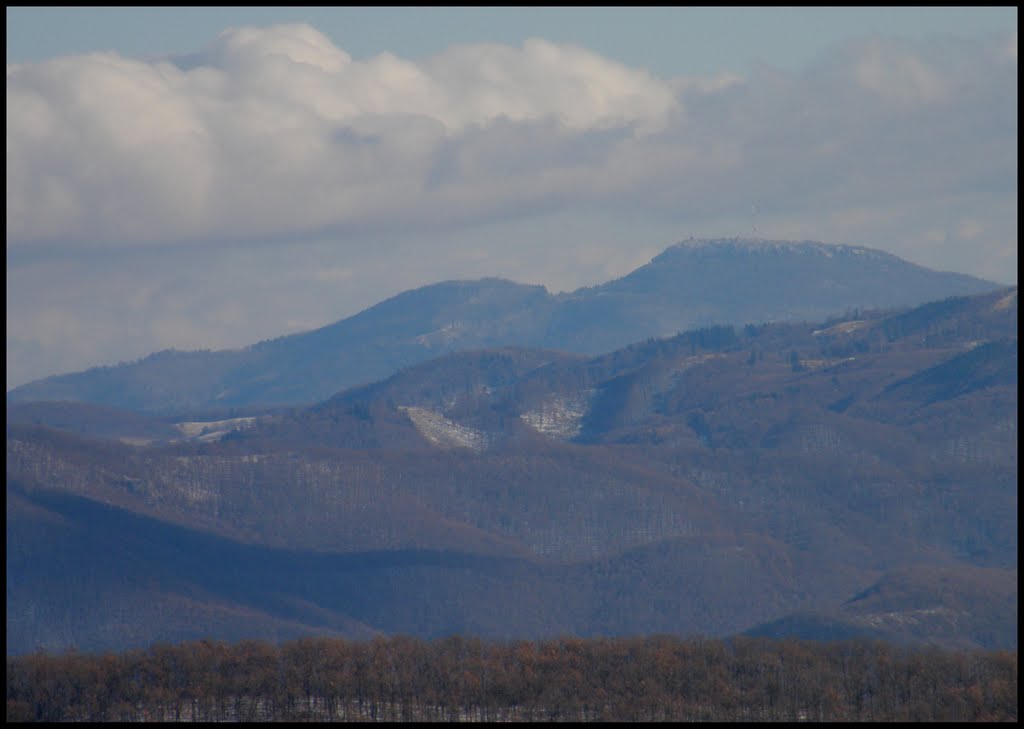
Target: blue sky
(668,41)
(210,177)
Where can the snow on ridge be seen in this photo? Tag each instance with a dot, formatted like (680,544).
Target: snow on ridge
(841,328)
(1006,302)
(214,429)
(443,432)
(762,244)
(905,617)
(559,417)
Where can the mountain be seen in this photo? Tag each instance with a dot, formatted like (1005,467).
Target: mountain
(955,608)
(738,281)
(690,285)
(854,476)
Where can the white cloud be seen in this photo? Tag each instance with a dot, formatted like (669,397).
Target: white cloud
(277,134)
(276,131)
(899,77)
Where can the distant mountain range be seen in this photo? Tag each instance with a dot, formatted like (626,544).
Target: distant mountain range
(693,284)
(856,476)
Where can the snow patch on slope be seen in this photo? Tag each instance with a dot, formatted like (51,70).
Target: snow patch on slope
(907,617)
(441,337)
(842,328)
(1006,302)
(214,429)
(560,417)
(443,432)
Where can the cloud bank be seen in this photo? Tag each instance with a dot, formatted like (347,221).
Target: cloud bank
(276,133)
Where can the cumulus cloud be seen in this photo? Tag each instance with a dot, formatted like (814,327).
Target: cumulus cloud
(278,132)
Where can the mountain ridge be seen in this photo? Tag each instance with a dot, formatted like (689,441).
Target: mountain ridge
(690,284)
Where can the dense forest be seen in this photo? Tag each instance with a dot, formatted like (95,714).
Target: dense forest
(401,678)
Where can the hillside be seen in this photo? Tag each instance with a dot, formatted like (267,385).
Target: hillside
(858,473)
(690,285)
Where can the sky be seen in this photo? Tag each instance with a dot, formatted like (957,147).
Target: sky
(205,178)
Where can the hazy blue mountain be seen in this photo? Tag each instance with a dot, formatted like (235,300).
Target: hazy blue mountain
(854,476)
(692,284)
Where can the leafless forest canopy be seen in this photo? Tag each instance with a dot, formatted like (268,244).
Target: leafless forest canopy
(402,678)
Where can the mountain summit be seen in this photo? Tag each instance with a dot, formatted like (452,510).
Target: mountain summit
(691,284)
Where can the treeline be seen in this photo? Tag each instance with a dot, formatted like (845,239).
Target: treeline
(625,679)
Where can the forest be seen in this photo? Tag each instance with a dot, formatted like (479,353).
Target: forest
(401,678)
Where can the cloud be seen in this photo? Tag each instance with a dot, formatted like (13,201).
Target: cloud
(898,76)
(276,132)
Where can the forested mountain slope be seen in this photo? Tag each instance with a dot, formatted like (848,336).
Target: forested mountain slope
(861,470)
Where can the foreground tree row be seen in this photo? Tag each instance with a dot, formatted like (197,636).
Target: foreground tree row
(626,679)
